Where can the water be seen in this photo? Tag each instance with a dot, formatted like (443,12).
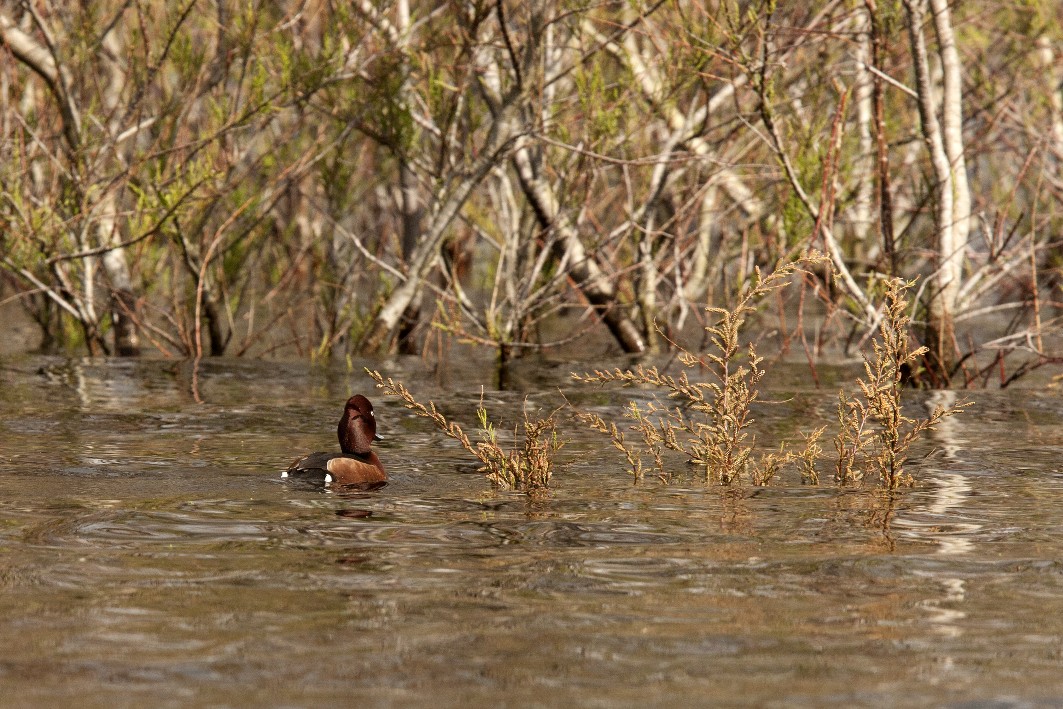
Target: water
(150,555)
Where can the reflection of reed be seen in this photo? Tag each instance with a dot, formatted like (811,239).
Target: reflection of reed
(736,517)
(882,517)
(869,509)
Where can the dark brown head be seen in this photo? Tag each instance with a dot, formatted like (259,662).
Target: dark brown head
(357,429)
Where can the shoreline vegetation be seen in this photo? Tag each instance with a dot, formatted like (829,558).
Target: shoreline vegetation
(335,180)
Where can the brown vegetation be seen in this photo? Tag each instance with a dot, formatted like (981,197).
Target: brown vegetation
(709,422)
(527,465)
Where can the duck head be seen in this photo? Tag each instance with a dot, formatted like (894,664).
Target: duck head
(357,429)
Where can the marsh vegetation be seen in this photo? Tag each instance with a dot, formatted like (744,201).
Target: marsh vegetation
(708,419)
(335,180)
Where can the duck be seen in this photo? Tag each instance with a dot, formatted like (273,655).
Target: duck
(356,464)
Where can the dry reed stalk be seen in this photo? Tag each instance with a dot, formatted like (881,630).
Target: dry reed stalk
(527,466)
(712,423)
(716,435)
(873,431)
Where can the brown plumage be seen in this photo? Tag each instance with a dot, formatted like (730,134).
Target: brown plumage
(357,464)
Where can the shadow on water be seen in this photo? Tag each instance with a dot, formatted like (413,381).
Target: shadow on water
(151,555)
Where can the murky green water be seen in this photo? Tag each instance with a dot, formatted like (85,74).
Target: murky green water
(151,556)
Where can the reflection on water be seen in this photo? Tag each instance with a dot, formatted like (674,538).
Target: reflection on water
(150,555)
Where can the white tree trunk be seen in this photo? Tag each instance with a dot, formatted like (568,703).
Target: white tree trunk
(950,249)
(864,166)
(952,133)
(115,263)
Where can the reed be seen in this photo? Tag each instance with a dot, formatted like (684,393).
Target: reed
(808,456)
(711,421)
(873,432)
(525,466)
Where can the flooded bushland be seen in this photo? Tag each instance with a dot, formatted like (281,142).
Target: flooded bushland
(761,486)
(152,555)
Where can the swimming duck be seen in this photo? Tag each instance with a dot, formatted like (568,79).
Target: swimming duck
(357,464)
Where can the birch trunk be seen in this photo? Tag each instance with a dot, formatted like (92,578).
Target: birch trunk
(939,333)
(865,162)
(115,264)
(412,201)
(952,133)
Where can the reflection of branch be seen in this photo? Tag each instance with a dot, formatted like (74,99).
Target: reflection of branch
(1016,340)
(989,310)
